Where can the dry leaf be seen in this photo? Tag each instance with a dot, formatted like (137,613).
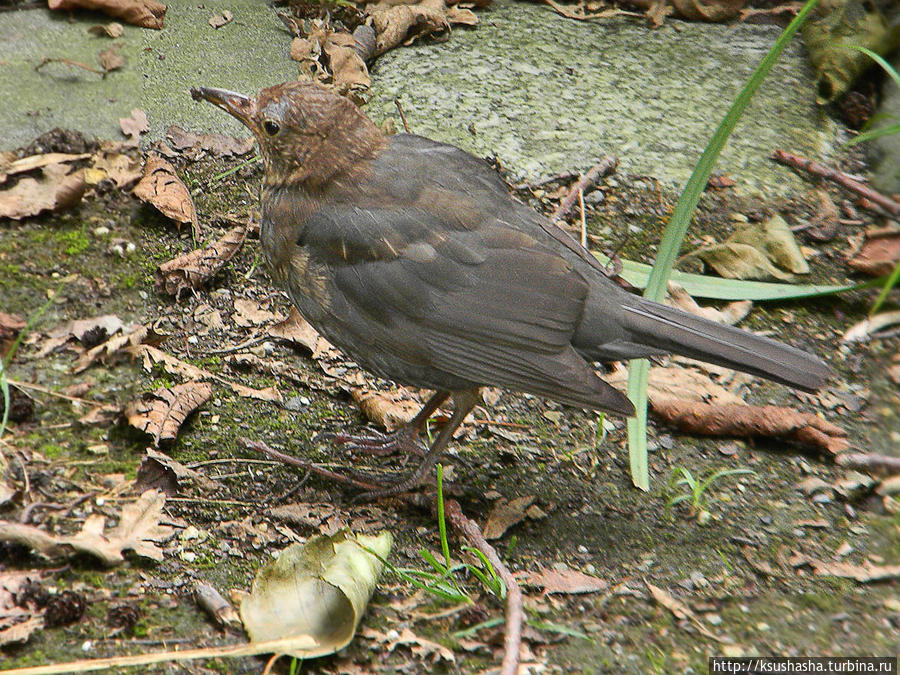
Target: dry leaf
(162,188)
(150,355)
(388,409)
(296,329)
(162,412)
(332,57)
(865,573)
(250,313)
(218,145)
(58,187)
(158,470)
(567,581)
(867,327)
(10,327)
(135,125)
(505,514)
(32,162)
(123,170)
(730,314)
(138,528)
(144,13)
(104,326)
(110,59)
(134,336)
(879,254)
(397,23)
(191,270)
(111,30)
(219,20)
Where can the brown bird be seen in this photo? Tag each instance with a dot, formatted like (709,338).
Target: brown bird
(412,257)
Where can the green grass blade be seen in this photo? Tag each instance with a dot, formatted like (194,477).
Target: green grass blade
(879,60)
(718,288)
(674,234)
(892,281)
(471,630)
(872,135)
(442,523)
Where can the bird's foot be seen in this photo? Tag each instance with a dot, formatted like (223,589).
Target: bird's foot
(404,441)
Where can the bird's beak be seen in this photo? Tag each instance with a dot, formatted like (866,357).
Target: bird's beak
(236,105)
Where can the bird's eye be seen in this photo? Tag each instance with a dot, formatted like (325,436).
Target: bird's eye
(272,128)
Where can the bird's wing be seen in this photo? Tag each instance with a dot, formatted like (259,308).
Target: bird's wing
(463,291)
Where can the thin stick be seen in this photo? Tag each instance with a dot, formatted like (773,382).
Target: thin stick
(259,446)
(601,169)
(583,219)
(844,180)
(512,641)
(402,114)
(867,460)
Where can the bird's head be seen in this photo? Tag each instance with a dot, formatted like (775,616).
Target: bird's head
(306,134)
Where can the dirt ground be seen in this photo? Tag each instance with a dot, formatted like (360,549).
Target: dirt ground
(739,583)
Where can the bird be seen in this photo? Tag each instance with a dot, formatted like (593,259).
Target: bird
(413,258)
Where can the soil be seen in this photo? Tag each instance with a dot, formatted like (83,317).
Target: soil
(733,571)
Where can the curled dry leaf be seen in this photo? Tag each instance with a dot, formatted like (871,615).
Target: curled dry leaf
(158,470)
(867,327)
(505,514)
(144,13)
(137,530)
(87,329)
(389,409)
(133,336)
(402,22)
(315,593)
(217,145)
(12,166)
(58,187)
(332,57)
(161,187)
(110,30)
(567,581)
(730,314)
(18,619)
(162,412)
(123,170)
(248,312)
(296,329)
(10,327)
(191,270)
(768,421)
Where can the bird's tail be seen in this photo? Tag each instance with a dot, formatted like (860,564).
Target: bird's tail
(677,332)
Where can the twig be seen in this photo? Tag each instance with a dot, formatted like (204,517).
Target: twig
(868,460)
(402,114)
(259,446)
(603,168)
(512,642)
(839,177)
(69,62)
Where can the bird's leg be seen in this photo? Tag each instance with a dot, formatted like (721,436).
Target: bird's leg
(403,439)
(463,402)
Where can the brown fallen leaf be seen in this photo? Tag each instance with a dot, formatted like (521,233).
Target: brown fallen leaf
(162,412)
(730,314)
(19,618)
(110,30)
(389,409)
(865,573)
(123,170)
(150,355)
(767,421)
(334,58)
(159,471)
(399,22)
(88,330)
(217,145)
(110,59)
(248,312)
(13,166)
(191,270)
(680,610)
(135,125)
(57,188)
(10,327)
(567,581)
(132,336)
(880,252)
(297,330)
(144,13)
(218,20)
(505,514)
(137,530)
(161,187)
